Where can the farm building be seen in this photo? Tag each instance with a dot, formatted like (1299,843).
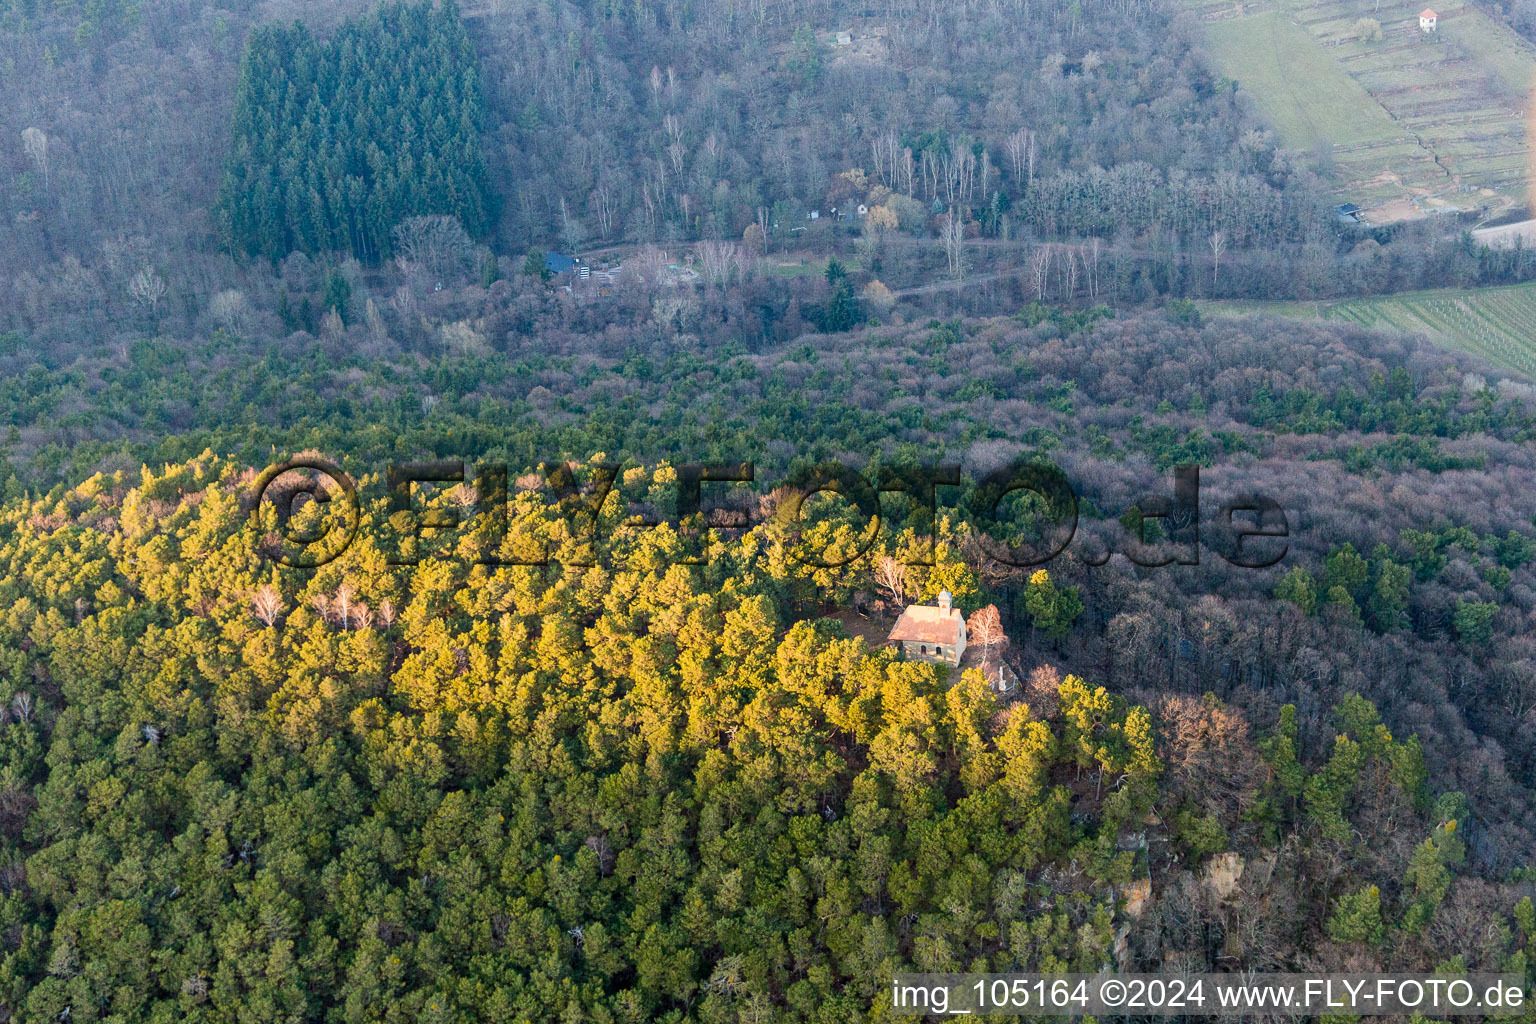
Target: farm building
(930,633)
(558,263)
(1349,213)
(1427,19)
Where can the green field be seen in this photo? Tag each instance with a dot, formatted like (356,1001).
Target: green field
(1498,324)
(814,266)
(1304,91)
(1436,119)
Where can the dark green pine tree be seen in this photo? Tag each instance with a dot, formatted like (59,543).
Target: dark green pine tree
(842,309)
(337,142)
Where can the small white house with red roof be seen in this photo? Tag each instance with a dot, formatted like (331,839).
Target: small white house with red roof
(1427,19)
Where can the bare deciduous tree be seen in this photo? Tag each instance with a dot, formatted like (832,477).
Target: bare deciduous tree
(648,267)
(985,629)
(1090,254)
(332,327)
(35,142)
(572,232)
(891,575)
(1042,690)
(230,309)
(980,559)
(1020,147)
(438,244)
(604,202)
(1218,246)
(1016,145)
(1040,269)
(147,288)
(404,301)
(1208,754)
(343,604)
(674,314)
(377,331)
(16,805)
(721,262)
(953,236)
(886,150)
(1515,683)
(267,603)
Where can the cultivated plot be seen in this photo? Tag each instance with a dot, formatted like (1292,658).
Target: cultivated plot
(1417,122)
(1498,324)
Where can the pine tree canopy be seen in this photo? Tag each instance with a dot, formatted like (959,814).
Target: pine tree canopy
(336,142)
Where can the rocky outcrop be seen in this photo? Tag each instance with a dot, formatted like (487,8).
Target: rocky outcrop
(1223,873)
(1137,893)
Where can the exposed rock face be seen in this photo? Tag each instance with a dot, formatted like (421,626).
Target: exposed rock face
(1132,841)
(1223,874)
(1137,893)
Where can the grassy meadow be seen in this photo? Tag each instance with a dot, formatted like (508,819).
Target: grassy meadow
(1413,118)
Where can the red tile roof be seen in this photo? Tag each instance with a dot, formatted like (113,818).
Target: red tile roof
(1428,13)
(925,624)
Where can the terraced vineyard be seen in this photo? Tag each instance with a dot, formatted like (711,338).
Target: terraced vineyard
(1498,324)
(1420,120)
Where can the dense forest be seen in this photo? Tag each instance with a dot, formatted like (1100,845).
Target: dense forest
(335,145)
(673,774)
(654,791)
(143,164)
